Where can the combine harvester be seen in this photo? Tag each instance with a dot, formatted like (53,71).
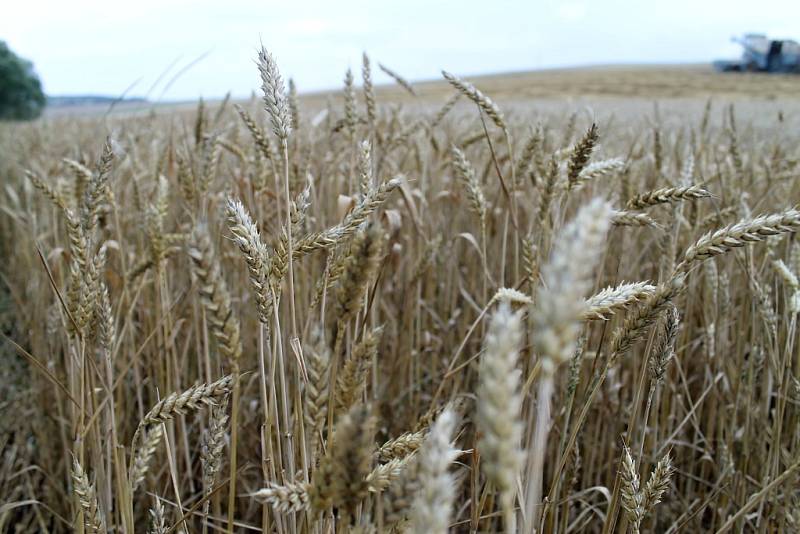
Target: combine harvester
(761,54)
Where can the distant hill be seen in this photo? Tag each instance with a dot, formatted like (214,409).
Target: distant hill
(89,100)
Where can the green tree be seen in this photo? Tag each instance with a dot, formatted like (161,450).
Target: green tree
(21,95)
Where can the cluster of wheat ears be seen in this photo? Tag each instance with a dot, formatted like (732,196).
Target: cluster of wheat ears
(375,317)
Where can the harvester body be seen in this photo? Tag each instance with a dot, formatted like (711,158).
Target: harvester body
(760,54)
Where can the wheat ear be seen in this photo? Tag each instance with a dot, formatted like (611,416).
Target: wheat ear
(667,195)
(274,95)
(630,491)
(401,446)
(341,479)
(87,499)
(658,483)
(472,186)
(248,239)
(369,91)
(597,170)
(568,276)
(498,407)
(214,295)
(286,498)
(141,461)
(402,82)
(361,264)
(739,234)
(630,218)
(158,519)
(352,380)
(432,506)
(580,154)
(383,475)
(604,304)
(485,103)
(191,399)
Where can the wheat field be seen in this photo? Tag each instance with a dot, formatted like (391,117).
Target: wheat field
(420,308)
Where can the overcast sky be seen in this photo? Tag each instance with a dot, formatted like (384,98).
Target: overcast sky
(102,47)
